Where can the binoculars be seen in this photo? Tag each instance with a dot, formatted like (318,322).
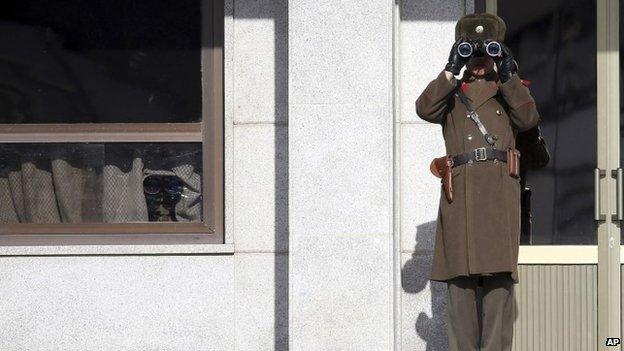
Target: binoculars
(469,47)
(162,193)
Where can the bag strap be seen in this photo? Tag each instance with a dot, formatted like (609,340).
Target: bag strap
(474,116)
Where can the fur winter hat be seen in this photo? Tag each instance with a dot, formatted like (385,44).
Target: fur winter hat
(481,26)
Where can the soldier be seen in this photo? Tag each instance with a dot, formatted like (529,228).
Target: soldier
(478,232)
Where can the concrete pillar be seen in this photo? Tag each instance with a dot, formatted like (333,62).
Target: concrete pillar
(340,171)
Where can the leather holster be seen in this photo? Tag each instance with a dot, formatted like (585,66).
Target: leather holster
(513,162)
(441,167)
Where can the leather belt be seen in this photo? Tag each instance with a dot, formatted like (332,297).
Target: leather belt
(480,154)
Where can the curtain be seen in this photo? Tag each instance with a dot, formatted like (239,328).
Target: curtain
(76,183)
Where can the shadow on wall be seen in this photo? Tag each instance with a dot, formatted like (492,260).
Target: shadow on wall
(277,10)
(431,329)
(431,10)
(280,16)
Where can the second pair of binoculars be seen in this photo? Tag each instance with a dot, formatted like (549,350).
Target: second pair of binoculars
(467,48)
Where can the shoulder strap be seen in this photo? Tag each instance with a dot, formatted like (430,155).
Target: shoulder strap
(474,116)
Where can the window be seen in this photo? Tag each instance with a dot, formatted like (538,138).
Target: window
(556,49)
(111,122)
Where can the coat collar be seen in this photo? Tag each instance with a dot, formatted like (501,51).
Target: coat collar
(479,91)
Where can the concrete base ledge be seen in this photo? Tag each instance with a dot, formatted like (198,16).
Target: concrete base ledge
(116,250)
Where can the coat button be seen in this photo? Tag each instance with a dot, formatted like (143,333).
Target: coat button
(498,112)
(469,137)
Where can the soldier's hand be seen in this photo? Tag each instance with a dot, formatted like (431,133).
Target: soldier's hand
(455,61)
(505,64)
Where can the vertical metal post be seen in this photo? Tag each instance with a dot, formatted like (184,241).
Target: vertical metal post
(608,119)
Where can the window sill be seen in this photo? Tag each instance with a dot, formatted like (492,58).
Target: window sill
(94,250)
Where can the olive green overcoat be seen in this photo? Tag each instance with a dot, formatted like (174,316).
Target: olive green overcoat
(479,232)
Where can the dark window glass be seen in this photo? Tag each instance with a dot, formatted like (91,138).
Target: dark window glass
(479,6)
(554,43)
(113,183)
(100,61)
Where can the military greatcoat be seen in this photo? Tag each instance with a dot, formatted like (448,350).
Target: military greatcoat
(479,232)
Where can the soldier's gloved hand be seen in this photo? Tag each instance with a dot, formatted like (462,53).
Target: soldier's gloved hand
(455,61)
(505,64)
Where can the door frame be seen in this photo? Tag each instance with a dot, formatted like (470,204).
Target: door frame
(608,139)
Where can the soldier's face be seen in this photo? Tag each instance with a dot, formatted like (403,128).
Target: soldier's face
(480,65)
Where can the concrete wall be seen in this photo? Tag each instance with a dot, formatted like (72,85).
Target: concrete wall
(311,132)
(426,33)
(341,162)
(235,301)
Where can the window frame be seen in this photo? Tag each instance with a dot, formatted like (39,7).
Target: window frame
(209,132)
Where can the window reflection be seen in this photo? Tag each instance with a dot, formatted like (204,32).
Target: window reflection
(554,43)
(100,61)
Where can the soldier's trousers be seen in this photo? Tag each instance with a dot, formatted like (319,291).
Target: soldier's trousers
(480,321)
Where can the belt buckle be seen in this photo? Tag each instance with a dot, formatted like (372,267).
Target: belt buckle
(480,154)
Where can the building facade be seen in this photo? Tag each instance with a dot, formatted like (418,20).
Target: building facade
(325,208)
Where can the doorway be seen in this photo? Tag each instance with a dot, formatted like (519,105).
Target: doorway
(570,269)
